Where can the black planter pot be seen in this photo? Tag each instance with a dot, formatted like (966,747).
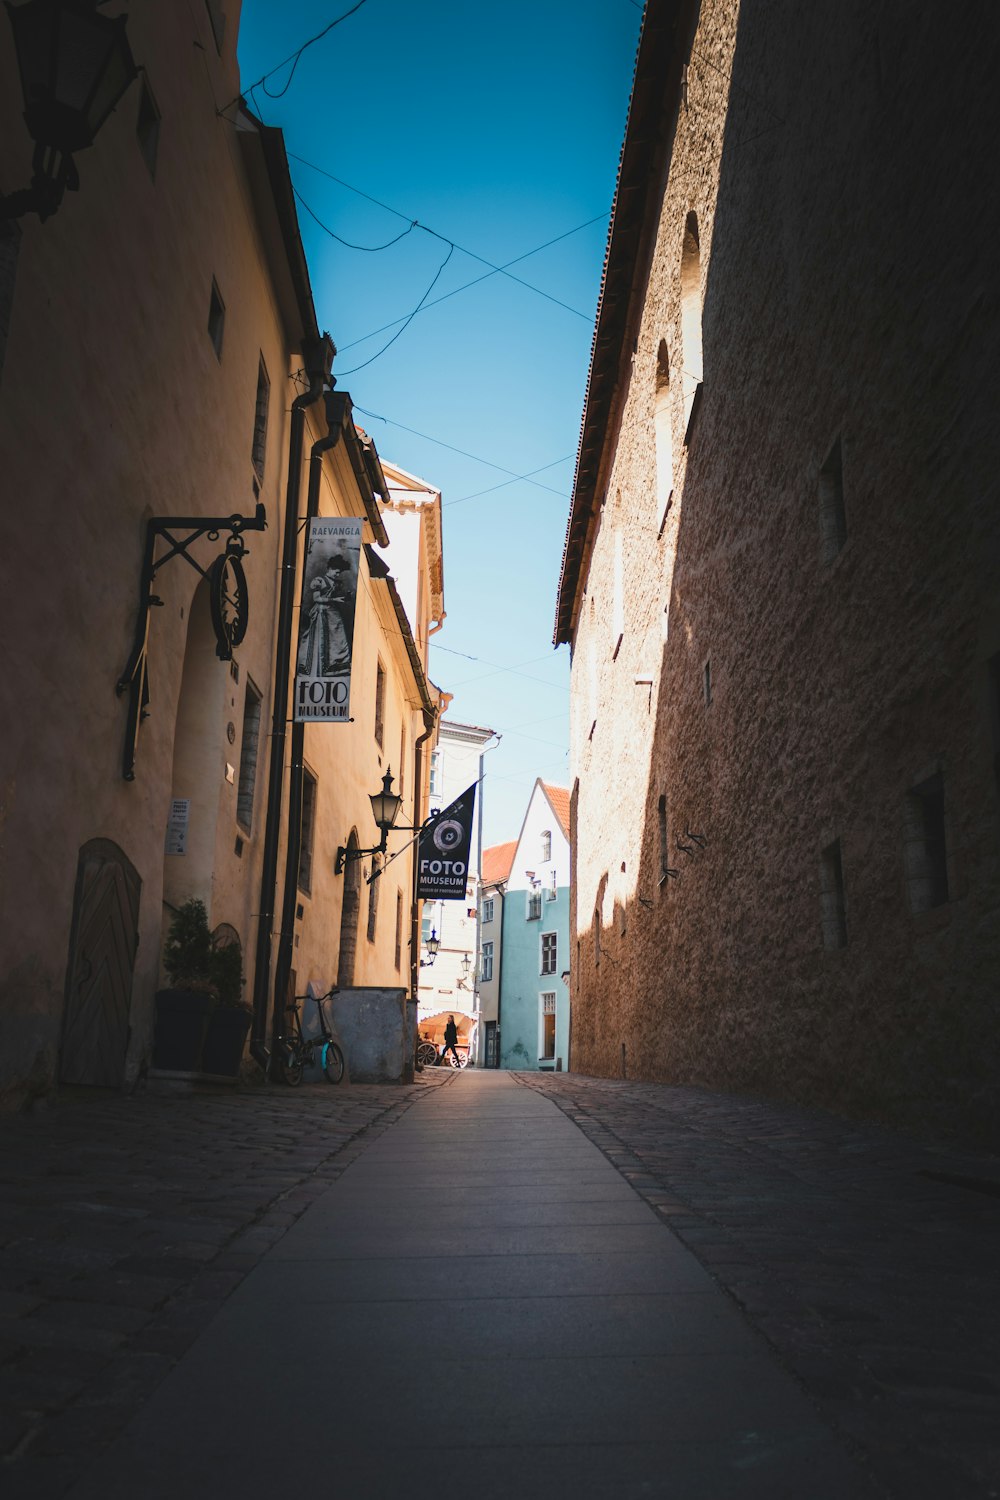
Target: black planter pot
(223,1049)
(182,1018)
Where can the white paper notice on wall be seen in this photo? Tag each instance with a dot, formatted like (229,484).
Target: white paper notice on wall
(177,825)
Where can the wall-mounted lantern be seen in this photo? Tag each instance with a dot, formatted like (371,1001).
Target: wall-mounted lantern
(75,65)
(385,810)
(432,945)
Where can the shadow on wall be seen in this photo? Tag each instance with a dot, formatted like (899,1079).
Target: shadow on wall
(800,700)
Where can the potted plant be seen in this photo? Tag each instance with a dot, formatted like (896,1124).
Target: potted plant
(183,1011)
(230,1020)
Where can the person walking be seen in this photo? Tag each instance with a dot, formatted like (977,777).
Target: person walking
(450,1039)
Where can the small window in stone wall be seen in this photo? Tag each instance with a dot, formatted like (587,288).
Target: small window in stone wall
(249,750)
(262,401)
(833,516)
(925,845)
(10,244)
(399,929)
(216,319)
(833,907)
(994,678)
(147,126)
(373,891)
(308,826)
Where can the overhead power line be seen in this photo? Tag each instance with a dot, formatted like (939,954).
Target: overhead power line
(439,442)
(296,57)
(494,269)
(408,320)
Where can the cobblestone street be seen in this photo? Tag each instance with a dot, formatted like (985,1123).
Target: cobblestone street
(125,1224)
(868,1259)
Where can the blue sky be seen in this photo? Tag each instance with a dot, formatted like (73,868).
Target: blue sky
(497,129)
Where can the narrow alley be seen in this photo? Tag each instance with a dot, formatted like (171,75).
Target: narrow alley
(482,1286)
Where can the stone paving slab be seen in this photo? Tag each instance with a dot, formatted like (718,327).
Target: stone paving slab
(614,1371)
(869,1259)
(125,1224)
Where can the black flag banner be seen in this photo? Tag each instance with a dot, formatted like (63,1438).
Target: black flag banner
(443,851)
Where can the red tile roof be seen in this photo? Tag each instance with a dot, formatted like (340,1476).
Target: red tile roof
(559,797)
(497,861)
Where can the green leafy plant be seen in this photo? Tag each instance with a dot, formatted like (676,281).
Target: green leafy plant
(194,961)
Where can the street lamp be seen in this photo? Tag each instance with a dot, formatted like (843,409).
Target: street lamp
(432,945)
(75,65)
(385,810)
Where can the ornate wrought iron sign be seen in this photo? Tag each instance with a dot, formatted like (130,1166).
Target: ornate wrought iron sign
(228,602)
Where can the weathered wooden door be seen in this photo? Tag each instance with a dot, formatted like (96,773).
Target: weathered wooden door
(103,941)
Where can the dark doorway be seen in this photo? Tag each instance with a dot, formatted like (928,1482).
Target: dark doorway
(103,942)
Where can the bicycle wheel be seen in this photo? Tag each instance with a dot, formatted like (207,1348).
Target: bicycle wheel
(290,1067)
(333,1063)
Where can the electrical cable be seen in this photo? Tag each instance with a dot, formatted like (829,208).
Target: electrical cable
(495,270)
(477,494)
(406,324)
(296,56)
(371,249)
(377,417)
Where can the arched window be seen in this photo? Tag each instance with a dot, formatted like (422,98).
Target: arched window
(663,431)
(692,371)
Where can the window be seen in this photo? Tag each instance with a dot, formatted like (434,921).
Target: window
(550,944)
(707,682)
(552,890)
(435,773)
(259,446)
(691,351)
(399,928)
(217,18)
(486,971)
(661,818)
(248,756)
(373,890)
(831,895)
(488,909)
(10,243)
(402,757)
(925,851)
(663,438)
(833,517)
(547,1008)
(534,906)
(216,319)
(379,704)
(546,845)
(307,827)
(147,126)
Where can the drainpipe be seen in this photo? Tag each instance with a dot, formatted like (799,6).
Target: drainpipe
(293,839)
(418,818)
(318,357)
(502,893)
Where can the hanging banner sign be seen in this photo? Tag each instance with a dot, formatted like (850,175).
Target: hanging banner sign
(177,825)
(443,851)
(326,621)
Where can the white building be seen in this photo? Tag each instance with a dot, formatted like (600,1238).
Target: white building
(448,985)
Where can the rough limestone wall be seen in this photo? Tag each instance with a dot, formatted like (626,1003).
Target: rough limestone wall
(845,246)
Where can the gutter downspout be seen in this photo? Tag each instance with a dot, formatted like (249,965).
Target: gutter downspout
(430,719)
(293,838)
(318,357)
(502,893)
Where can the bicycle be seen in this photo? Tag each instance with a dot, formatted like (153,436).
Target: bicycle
(295,1051)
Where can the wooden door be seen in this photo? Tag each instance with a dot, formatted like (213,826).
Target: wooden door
(103,943)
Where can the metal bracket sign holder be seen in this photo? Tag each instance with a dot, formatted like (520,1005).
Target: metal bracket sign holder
(229,603)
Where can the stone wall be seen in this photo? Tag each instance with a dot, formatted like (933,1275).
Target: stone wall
(783,695)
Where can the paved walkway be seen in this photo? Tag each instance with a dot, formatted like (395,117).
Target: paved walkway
(479,1306)
(485,1285)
